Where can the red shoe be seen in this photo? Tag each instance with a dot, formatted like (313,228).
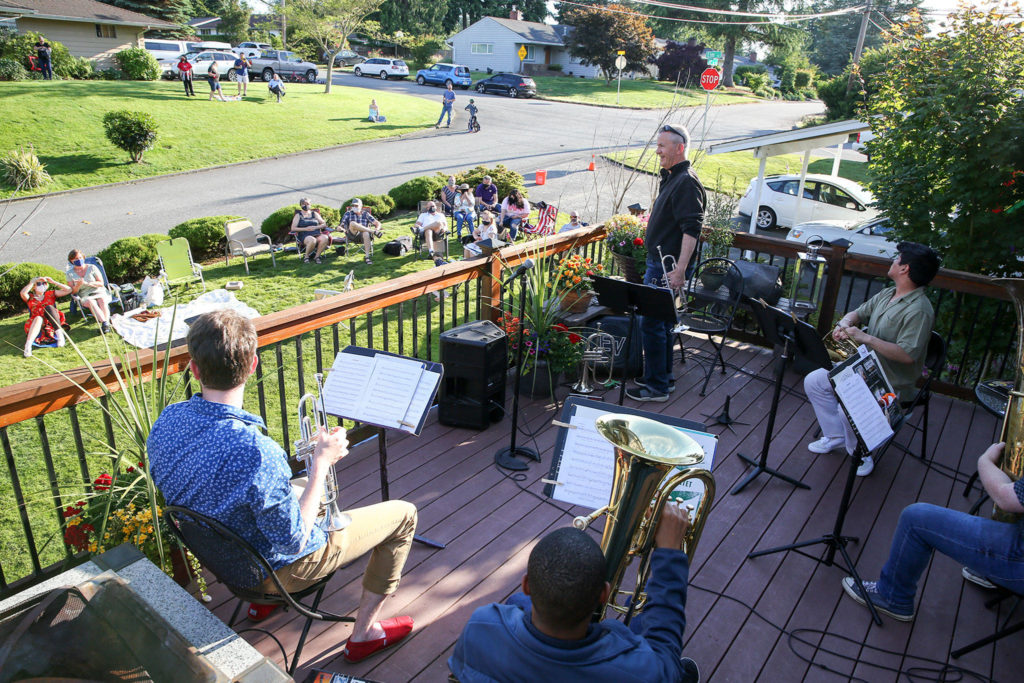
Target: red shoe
(259,611)
(395,629)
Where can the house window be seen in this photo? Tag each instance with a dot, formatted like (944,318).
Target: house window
(482,48)
(529,53)
(106,31)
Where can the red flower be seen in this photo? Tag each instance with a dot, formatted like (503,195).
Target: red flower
(574,338)
(71,512)
(638,241)
(103,482)
(77,536)
(590,273)
(560,327)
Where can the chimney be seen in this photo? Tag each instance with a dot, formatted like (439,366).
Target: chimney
(515,14)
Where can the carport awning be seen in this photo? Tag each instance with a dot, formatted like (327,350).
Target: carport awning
(790,142)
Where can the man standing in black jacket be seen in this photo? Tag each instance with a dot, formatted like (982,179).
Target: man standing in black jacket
(674,225)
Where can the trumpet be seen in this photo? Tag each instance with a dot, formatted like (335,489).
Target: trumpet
(313,418)
(600,348)
(668,264)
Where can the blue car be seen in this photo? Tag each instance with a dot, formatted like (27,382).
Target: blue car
(443,74)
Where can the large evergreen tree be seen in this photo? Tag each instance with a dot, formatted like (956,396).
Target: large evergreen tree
(234,20)
(738,32)
(412,16)
(175,11)
(462,13)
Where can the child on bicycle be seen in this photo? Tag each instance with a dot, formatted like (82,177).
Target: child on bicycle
(474,125)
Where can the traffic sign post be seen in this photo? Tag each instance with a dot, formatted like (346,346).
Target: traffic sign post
(709,80)
(620,64)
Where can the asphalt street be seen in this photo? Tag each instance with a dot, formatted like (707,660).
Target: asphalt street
(525,135)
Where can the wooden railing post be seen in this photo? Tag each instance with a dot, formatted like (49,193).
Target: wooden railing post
(836,256)
(491,289)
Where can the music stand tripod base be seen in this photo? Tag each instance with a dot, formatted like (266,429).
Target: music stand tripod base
(506,458)
(724,418)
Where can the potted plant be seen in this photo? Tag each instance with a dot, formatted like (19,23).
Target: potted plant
(627,244)
(572,283)
(717,234)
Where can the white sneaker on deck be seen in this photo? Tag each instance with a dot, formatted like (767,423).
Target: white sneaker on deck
(826,444)
(867,466)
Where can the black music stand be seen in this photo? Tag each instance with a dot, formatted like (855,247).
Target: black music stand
(635,299)
(780,329)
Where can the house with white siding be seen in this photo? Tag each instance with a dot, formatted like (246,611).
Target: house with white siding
(87,28)
(494,43)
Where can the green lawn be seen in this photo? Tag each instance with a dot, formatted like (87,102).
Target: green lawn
(62,120)
(737,168)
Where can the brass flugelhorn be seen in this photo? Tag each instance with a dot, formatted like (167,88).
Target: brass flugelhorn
(1012,432)
(313,418)
(646,453)
(839,351)
(599,348)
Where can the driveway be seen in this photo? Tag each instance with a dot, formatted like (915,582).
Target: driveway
(525,135)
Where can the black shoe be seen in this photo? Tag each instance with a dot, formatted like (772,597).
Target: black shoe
(438,261)
(645,394)
(640,382)
(104,328)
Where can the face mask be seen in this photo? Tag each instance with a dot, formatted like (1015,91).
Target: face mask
(487,222)
(78,262)
(431,210)
(305,207)
(42,287)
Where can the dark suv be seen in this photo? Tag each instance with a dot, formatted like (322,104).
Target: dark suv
(512,85)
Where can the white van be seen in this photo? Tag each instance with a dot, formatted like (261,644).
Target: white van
(199,46)
(165,49)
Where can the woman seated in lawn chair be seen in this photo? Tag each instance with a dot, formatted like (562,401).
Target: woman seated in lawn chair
(45,324)
(514,211)
(310,229)
(86,282)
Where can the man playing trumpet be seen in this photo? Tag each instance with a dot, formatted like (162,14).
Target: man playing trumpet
(897,326)
(209,455)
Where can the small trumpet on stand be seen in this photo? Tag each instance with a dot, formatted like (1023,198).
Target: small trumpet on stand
(309,431)
(600,349)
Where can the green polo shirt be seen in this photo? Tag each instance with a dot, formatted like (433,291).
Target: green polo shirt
(908,322)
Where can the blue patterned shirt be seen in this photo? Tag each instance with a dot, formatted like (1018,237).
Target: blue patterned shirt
(212,458)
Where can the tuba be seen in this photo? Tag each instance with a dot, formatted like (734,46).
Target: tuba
(646,453)
(309,428)
(1012,432)
(599,349)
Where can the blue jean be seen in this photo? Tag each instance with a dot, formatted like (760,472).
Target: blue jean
(446,108)
(463,217)
(513,226)
(658,340)
(47,69)
(990,548)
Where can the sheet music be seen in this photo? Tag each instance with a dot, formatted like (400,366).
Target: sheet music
(691,491)
(349,373)
(590,458)
(389,392)
(865,413)
(420,400)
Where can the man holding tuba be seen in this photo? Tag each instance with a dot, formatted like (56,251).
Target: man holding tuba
(547,633)
(209,455)
(898,324)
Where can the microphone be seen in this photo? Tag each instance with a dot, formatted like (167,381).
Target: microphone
(519,272)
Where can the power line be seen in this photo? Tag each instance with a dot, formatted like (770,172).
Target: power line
(775,18)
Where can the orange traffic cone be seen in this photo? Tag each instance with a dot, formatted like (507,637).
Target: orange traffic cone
(591,166)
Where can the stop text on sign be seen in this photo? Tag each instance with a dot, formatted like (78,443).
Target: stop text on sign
(710,78)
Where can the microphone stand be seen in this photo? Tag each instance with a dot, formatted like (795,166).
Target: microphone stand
(505,457)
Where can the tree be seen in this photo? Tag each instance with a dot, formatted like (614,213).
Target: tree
(234,21)
(948,158)
(174,11)
(328,23)
(412,16)
(681,63)
(843,104)
(833,39)
(602,31)
(462,13)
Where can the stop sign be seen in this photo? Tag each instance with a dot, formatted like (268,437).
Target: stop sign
(710,79)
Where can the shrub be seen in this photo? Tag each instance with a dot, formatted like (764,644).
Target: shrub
(111,75)
(23,170)
(740,74)
(759,84)
(132,131)
(80,68)
(410,193)
(803,78)
(205,235)
(130,259)
(14,277)
(276,224)
(138,64)
(505,179)
(11,70)
(380,205)
(554,67)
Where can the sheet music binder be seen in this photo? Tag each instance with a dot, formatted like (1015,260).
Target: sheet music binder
(426,386)
(877,383)
(569,409)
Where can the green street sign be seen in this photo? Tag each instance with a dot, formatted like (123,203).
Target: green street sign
(712,54)
(712,62)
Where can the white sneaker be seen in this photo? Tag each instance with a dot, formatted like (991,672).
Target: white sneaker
(867,466)
(28,353)
(61,340)
(977,579)
(826,444)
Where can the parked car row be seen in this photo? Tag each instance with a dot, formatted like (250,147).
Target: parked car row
(286,64)
(458,76)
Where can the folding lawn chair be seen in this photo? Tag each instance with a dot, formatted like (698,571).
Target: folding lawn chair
(545,221)
(243,240)
(176,264)
(113,291)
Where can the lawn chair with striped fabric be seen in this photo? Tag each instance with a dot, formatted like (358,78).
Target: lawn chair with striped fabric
(176,264)
(545,220)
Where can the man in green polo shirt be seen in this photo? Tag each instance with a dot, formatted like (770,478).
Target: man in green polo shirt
(897,323)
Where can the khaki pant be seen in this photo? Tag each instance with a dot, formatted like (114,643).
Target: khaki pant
(385,528)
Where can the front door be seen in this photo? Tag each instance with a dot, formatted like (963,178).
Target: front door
(547,56)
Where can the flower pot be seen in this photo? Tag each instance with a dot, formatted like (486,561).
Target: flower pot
(576,302)
(538,382)
(179,567)
(628,266)
(712,279)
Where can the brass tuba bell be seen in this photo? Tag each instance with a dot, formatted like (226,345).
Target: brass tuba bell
(646,452)
(1012,432)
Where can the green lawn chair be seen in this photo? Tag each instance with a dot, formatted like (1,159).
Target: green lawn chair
(176,264)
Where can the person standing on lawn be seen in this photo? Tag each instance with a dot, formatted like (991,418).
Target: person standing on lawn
(242,65)
(447,102)
(185,69)
(43,53)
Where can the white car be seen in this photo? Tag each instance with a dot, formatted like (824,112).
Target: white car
(825,198)
(250,49)
(383,68)
(201,63)
(869,237)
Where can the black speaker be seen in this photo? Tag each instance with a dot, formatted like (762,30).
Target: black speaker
(618,326)
(475,359)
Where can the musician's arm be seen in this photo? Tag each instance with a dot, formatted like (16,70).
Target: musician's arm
(890,350)
(309,501)
(996,482)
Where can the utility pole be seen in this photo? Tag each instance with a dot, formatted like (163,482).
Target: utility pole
(860,44)
(284,27)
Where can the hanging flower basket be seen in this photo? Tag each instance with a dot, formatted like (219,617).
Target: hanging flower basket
(628,266)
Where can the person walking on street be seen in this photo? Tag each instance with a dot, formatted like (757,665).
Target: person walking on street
(674,225)
(43,52)
(447,102)
(185,69)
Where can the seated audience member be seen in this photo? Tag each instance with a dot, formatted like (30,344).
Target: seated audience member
(574,222)
(486,229)
(360,224)
(449,193)
(545,633)
(430,225)
(375,116)
(514,210)
(276,86)
(898,326)
(486,194)
(45,322)
(209,455)
(86,283)
(463,209)
(310,229)
(989,550)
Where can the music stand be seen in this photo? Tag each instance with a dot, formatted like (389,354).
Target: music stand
(779,328)
(635,299)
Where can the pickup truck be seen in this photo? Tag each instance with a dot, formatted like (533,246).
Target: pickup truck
(285,63)
(251,50)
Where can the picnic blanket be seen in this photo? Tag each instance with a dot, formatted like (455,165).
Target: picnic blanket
(144,334)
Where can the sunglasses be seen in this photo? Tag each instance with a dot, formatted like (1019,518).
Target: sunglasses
(668,128)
